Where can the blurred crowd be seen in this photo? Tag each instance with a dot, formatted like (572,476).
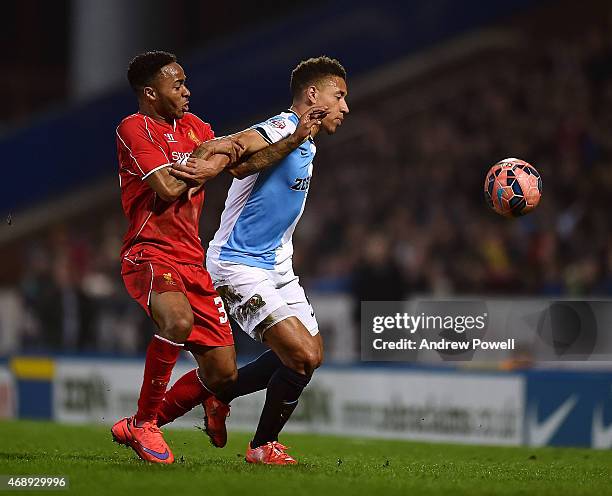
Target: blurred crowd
(396,205)
(399,208)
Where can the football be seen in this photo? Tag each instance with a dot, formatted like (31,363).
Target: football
(512,187)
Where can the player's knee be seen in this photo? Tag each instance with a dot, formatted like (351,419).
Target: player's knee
(314,363)
(177,329)
(319,360)
(304,361)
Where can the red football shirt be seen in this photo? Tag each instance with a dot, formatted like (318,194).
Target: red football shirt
(158,228)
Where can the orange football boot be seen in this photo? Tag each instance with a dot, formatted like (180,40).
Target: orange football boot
(147,440)
(272,453)
(215,413)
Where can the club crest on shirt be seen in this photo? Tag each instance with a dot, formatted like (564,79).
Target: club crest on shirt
(277,122)
(192,136)
(168,279)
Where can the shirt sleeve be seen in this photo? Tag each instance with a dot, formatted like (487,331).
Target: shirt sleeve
(146,155)
(275,128)
(207,131)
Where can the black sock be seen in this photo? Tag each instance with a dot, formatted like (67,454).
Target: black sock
(284,389)
(254,376)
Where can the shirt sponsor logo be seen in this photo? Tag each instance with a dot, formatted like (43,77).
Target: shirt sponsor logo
(180,156)
(301,184)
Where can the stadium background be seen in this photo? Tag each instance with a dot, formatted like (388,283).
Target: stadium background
(438,92)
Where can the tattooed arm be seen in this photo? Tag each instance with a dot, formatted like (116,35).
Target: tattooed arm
(266,154)
(171,182)
(205,162)
(261,155)
(211,157)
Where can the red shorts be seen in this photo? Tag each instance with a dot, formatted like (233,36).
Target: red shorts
(210,322)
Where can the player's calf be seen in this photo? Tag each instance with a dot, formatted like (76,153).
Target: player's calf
(217,367)
(299,352)
(187,392)
(284,390)
(253,377)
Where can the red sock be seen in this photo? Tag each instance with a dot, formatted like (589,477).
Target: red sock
(161,358)
(184,395)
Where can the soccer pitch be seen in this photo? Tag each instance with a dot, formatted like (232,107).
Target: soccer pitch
(327,465)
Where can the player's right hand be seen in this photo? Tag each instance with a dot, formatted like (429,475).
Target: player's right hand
(230,147)
(196,171)
(309,119)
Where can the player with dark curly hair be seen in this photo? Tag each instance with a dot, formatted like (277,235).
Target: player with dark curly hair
(162,255)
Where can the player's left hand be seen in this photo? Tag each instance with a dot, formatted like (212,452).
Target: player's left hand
(308,122)
(230,147)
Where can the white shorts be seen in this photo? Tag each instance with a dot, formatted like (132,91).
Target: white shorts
(259,298)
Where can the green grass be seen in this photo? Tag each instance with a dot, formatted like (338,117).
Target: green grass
(328,465)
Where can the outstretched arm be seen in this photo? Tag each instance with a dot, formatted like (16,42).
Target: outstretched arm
(265,154)
(247,152)
(261,155)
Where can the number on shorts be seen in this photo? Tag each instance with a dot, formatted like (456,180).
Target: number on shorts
(221,308)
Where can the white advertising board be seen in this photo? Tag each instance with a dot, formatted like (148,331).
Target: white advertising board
(449,407)
(429,406)
(102,391)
